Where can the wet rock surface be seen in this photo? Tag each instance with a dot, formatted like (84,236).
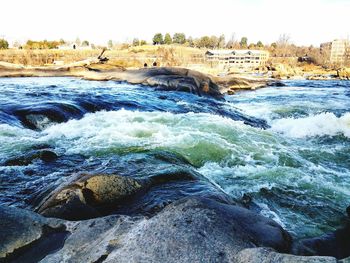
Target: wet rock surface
(44,155)
(335,244)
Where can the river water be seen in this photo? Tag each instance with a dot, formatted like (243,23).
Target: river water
(283,152)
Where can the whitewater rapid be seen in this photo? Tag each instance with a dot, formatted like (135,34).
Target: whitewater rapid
(295,169)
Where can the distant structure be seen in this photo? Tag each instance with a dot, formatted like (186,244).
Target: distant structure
(241,59)
(340,52)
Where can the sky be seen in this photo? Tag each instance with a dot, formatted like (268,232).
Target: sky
(307,22)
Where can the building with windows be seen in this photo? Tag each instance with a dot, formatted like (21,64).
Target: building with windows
(340,52)
(243,59)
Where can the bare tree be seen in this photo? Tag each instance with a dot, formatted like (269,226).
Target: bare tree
(233,42)
(283,45)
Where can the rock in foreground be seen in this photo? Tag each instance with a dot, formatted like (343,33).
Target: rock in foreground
(189,230)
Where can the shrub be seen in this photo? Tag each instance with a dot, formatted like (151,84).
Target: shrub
(4,44)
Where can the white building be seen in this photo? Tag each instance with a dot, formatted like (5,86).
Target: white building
(238,58)
(340,51)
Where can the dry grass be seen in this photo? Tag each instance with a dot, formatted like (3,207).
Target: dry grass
(135,57)
(127,57)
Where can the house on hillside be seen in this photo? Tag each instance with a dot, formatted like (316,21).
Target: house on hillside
(243,59)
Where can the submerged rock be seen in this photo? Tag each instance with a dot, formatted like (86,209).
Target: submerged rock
(87,195)
(28,158)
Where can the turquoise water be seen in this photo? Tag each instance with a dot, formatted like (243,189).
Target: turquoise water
(295,169)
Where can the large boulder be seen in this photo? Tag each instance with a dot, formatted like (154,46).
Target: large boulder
(189,230)
(89,195)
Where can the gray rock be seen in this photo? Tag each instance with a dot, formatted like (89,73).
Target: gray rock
(92,240)
(20,229)
(190,230)
(268,255)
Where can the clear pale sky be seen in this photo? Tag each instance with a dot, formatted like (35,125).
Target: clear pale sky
(306,21)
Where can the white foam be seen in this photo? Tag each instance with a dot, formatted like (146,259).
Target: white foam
(324,124)
(14,139)
(119,130)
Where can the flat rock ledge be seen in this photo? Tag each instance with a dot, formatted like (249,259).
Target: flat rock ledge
(189,230)
(166,78)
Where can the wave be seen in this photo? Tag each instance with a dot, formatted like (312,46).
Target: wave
(197,136)
(323,124)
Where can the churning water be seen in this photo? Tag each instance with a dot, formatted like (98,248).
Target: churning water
(282,151)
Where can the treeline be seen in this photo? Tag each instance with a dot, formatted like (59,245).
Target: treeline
(204,41)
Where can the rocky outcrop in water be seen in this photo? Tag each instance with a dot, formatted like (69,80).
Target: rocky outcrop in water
(86,195)
(167,78)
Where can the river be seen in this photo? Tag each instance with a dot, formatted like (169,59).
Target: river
(283,152)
